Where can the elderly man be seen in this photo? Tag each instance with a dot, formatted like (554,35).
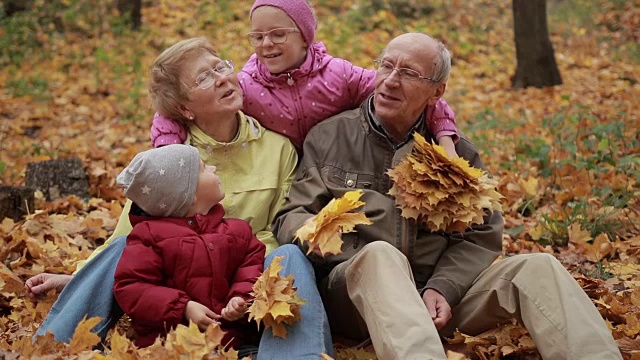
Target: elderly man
(398,282)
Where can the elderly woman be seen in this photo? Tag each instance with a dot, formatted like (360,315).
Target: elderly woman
(190,82)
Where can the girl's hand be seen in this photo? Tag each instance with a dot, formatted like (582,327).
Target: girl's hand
(235,309)
(38,285)
(447,143)
(200,315)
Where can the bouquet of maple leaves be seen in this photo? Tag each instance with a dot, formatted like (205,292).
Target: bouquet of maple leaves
(275,300)
(442,193)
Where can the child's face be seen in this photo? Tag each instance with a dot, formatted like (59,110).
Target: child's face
(282,57)
(209,191)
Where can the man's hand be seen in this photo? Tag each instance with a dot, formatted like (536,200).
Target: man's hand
(38,285)
(235,309)
(438,307)
(200,315)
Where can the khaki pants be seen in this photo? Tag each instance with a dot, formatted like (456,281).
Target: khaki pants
(374,294)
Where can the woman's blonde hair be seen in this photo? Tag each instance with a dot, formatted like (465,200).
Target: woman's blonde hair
(167,89)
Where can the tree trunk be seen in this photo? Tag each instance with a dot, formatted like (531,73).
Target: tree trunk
(58,178)
(13,6)
(134,9)
(536,60)
(15,202)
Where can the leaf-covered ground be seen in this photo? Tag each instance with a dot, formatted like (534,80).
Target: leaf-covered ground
(566,158)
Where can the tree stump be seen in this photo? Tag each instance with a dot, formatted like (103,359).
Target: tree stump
(58,178)
(15,202)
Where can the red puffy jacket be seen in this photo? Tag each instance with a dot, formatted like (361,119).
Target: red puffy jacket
(169,261)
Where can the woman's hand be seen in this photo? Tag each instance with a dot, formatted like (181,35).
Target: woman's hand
(38,285)
(200,315)
(235,309)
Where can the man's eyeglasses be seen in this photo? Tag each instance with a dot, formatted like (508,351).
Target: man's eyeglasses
(208,77)
(386,68)
(277,36)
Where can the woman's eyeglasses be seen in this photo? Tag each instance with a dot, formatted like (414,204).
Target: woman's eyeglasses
(208,77)
(277,36)
(386,68)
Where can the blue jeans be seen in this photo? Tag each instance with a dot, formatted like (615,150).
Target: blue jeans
(310,336)
(90,294)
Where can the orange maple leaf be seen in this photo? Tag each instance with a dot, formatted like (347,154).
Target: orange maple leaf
(323,230)
(275,300)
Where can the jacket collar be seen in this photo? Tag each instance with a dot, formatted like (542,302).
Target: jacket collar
(317,58)
(376,126)
(248,130)
(203,222)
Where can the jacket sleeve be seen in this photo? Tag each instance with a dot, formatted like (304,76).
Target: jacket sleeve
(251,267)
(138,285)
(441,120)
(287,168)
(308,195)
(468,253)
(360,83)
(165,131)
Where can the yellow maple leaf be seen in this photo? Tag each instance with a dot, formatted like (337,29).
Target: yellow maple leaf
(323,230)
(452,355)
(83,338)
(122,348)
(275,300)
(530,186)
(441,193)
(12,283)
(214,335)
(577,235)
(189,341)
(600,249)
(354,354)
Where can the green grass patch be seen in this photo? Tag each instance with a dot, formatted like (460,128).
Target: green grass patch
(594,219)
(34,86)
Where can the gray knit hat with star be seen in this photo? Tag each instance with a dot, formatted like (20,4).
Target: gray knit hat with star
(163,181)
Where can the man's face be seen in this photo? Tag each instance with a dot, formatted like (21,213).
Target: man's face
(399,100)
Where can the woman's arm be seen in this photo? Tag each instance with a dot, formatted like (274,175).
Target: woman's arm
(306,198)
(286,171)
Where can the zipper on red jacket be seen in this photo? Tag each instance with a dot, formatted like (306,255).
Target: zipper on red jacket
(290,80)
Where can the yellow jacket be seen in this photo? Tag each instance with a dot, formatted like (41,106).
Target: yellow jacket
(255,169)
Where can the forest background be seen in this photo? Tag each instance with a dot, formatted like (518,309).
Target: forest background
(73,83)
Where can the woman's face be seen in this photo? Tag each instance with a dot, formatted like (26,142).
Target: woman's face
(282,57)
(222,98)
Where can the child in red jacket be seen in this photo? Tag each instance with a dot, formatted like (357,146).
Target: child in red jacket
(183,261)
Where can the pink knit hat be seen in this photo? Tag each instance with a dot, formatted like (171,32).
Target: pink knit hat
(298,10)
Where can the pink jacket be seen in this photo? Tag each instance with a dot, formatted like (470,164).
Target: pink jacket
(292,103)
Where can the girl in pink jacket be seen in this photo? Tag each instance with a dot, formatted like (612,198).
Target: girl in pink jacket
(291,83)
